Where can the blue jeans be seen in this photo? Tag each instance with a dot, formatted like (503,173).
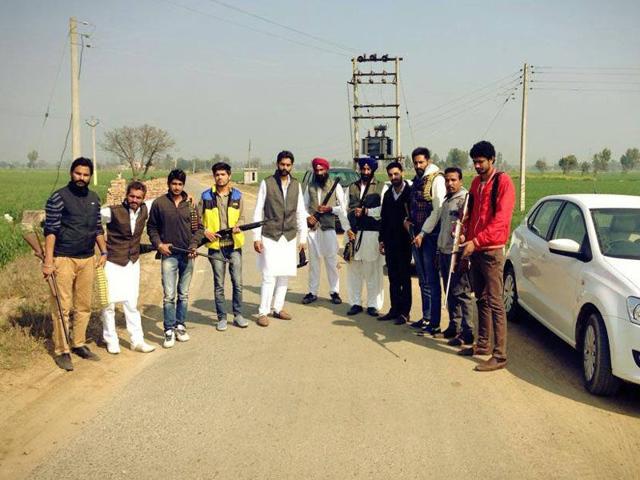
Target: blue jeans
(429,279)
(176,275)
(219,271)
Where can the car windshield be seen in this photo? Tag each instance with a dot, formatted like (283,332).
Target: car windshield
(346,176)
(618,231)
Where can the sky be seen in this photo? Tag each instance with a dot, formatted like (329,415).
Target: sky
(216,78)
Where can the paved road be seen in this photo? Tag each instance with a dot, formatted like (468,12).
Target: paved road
(331,396)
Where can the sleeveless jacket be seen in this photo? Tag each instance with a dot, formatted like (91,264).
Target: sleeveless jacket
(372,200)
(280,216)
(211,216)
(327,220)
(123,245)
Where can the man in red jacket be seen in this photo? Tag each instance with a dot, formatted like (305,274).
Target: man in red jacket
(487,232)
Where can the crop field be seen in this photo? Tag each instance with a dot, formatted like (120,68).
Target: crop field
(29,189)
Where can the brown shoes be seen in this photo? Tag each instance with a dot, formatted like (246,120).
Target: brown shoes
(263,321)
(492,364)
(282,315)
(474,350)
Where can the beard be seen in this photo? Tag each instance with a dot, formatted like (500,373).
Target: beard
(80,183)
(397,182)
(364,177)
(284,173)
(322,179)
(420,172)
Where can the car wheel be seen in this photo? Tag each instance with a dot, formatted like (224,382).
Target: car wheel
(510,295)
(596,358)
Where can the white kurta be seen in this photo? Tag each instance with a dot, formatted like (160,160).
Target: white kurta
(366,266)
(323,244)
(279,258)
(123,283)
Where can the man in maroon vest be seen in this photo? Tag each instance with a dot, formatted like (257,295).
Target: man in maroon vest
(125,224)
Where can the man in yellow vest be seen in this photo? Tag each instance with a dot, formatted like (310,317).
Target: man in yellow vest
(222,207)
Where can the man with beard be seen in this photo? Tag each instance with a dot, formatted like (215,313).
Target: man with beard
(364,201)
(395,244)
(427,194)
(487,232)
(125,224)
(72,229)
(460,329)
(222,207)
(174,222)
(323,241)
(280,204)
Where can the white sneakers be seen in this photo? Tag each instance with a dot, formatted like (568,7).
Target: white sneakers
(169,339)
(142,347)
(181,333)
(113,348)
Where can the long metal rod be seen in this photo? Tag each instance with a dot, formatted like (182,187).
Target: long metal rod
(523,139)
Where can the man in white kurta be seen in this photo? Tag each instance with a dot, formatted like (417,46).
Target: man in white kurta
(281,206)
(125,224)
(367,263)
(323,241)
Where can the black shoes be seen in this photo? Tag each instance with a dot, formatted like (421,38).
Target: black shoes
(401,320)
(309,298)
(419,324)
(64,362)
(431,330)
(450,332)
(388,316)
(354,310)
(335,298)
(373,312)
(84,352)
(462,339)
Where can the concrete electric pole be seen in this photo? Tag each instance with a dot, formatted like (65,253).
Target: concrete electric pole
(93,123)
(523,138)
(75,90)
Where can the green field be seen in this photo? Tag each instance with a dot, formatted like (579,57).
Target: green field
(29,189)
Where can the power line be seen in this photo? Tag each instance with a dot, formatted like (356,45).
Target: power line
(404,98)
(264,32)
(567,89)
(511,76)
(286,27)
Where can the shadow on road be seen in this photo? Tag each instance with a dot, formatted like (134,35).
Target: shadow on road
(536,356)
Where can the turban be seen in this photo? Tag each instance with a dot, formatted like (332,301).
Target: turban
(372,162)
(323,162)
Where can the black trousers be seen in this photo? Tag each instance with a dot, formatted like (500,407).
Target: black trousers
(399,271)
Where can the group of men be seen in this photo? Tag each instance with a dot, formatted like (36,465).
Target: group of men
(385,222)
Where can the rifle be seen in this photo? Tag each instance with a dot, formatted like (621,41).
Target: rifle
(313,219)
(412,234)
(34,241)
(186,250)
(351,247)
(226,234)
(455,251)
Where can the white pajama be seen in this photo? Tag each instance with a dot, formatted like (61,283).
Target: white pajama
(279,259)
(323,244)
(366,266)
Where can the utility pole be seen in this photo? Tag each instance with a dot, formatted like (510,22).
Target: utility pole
(523,137)
(380,144)
(397,82)
(75,90)
(93,123)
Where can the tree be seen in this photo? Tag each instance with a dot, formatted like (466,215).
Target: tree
(500,164)
(139,147)
(601,161)
(585,167)
(457,158)
(32,159)
(630,160)
(541,165)
(568,163)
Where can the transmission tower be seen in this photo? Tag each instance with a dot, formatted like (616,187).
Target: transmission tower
(378,146)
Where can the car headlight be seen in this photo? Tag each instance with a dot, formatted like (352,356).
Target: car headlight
(633,306)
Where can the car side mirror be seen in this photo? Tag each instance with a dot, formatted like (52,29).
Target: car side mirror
(565,246)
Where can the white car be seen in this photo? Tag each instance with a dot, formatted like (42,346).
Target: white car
(574,265)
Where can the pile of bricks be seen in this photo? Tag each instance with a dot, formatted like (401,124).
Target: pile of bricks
(118,189)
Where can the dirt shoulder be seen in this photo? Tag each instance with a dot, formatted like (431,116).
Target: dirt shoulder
(43,405)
